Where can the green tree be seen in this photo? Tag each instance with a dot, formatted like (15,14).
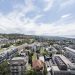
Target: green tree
(30,57)
(30,72)
(5,45)
(45,70)
(4,68)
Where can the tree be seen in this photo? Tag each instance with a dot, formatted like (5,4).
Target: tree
(5,45)
(44,53)
(50,54)
(4,68)
(45,70)
(30,57)
(30,72)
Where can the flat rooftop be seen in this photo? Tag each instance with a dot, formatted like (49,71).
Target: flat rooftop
(55,68)
(65,60)
(41,58)
(70,49)
(18,58)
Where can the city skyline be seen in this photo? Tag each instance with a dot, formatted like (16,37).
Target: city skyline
(38,17)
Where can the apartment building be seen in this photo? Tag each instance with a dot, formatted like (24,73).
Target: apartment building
(70,53)
(63,66)
(17,66)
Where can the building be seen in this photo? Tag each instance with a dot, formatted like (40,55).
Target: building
(70,53)
(38,66)
(60,63)
(57,71)
(22,53)
(35,46)
(51,49)
(63,66)
(17,66)
(3,40)
(41,58)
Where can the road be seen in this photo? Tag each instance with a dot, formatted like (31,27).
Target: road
(48,66)
(48,73)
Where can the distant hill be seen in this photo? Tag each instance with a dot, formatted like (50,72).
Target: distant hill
(15,36)
(54,37)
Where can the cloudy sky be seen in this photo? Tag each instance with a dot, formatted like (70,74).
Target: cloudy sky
(38,17)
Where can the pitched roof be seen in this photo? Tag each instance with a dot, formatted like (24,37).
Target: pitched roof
(37,65)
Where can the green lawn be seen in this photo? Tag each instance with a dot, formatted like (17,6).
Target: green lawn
(34,57)
(41,50)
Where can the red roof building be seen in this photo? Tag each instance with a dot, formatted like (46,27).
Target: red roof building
(38,65)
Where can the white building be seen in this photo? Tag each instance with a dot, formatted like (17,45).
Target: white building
(41,58)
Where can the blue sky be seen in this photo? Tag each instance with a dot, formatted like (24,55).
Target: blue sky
(38,17)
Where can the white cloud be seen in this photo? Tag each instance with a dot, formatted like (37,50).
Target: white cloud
(15,25)
(36,17)
(67,2)
(49,5)
(65,16)
(12,23)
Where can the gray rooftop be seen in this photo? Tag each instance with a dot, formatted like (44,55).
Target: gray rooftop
(70,49)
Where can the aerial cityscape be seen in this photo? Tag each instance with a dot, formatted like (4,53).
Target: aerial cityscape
(37,37)
(36,55)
